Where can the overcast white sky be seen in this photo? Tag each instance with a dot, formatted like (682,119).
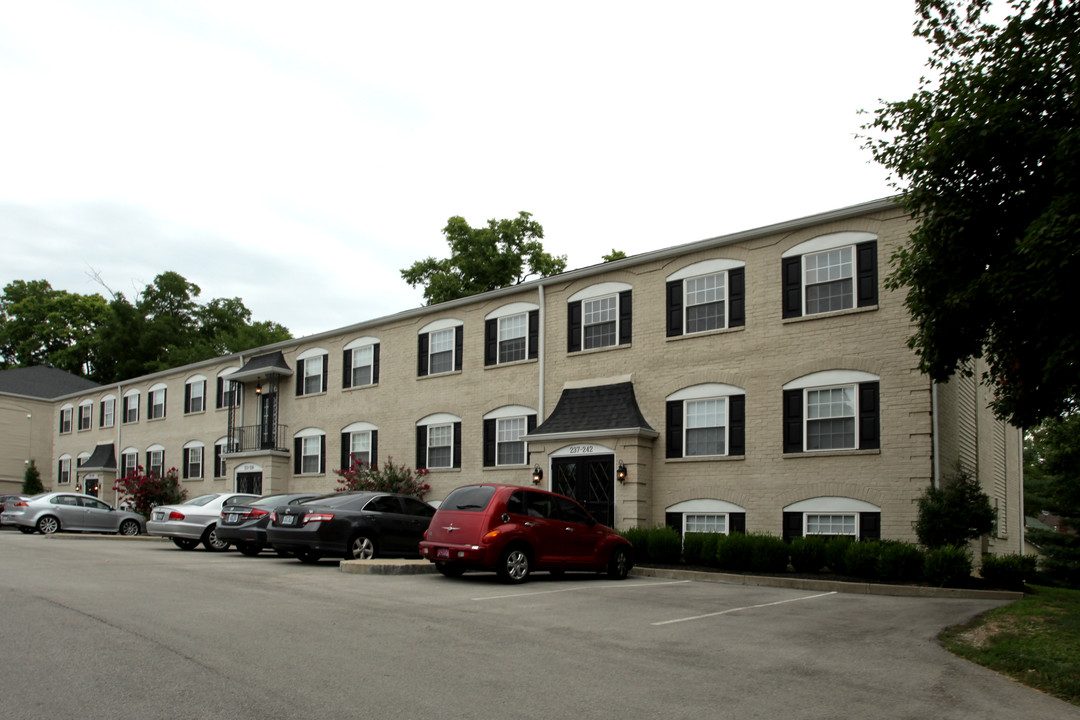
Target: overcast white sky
(299,154)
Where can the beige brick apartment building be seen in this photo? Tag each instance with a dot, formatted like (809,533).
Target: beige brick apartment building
(759,381)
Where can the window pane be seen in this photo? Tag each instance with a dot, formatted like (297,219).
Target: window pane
(706,421)
(708,523)
(599,322)
(441,351)
(829,281)
(440,446)
(362,361)
(705,303)
(510,449)
(830,525)
(313,375)
(512,338)
(830,414)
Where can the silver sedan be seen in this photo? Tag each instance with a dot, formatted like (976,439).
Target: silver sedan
(56,511)
(195,521)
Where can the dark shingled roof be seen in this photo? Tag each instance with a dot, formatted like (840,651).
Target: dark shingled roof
(263,366)
(103,459)
(42,381)
(595,408)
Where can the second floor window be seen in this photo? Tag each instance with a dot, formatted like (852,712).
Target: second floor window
(156,401)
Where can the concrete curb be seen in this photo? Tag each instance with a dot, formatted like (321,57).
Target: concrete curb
(106,536)
(387,566)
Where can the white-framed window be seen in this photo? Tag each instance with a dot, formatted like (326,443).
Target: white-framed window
(440,446)
(600,319)
(86,414)
(129,462)
(195,395)
(108,411)
(831,524)
(66,414)
(705,523)
(311,455)
(509,447)
(360,446)
(228,392)
(707,420)
(829,280)
(309,452)
(513,338)
(193,460)
(706,515)
(131,406)
(706,296)
(312,369)
(831,410)
(706,427)
(63,475)
(359,441)
(220,448)
(155,399)
(155,460)
(441,351)
(361,359)
(705,303)
(830,273)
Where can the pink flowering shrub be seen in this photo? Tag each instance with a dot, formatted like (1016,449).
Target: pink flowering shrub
(388,478)
(144,491)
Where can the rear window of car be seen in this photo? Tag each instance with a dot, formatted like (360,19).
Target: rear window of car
(201,500)
(341,500)
(473,498)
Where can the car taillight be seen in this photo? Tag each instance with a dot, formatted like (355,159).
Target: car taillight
(273,517)
(173,515)
(255,512)
(20,504)
(318,517)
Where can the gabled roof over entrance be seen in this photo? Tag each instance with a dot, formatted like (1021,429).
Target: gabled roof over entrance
(103,459)
(263,366)
(595,411)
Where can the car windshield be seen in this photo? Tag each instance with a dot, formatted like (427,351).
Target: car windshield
(473,497)
(202,499)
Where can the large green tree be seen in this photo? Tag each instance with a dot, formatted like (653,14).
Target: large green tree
(40,325)
(987,154)
(503,253)
(1052,482)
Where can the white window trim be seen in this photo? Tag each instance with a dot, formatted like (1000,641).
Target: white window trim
(150,404)
(830,241)
(201,447)
(726,426)
(427,450)
(599,290)
(806,524)
(727,522)
(108,422)
(193,382)
(308,433)
(585,326)
(65,470)
(67,419)
(687,305)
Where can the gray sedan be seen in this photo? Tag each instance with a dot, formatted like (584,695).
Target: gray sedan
(56,511)
(195,521)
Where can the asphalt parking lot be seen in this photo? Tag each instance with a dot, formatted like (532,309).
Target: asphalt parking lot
(140,629)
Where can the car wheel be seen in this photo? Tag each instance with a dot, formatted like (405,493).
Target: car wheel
(360,547)
(450,570)
(185,543)
(620,563)
(249,549)
(211,541)
(26,530)
(308,557)
(129,527)
(515,564)
(48,525)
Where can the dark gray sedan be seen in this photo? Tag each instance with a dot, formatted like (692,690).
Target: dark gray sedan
(66,511)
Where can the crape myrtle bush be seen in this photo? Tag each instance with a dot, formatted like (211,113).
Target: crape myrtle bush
(142,492)
(390,478)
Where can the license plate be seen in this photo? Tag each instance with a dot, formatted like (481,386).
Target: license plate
(288,520)
(232,517)
(442,553)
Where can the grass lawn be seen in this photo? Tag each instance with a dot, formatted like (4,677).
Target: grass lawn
(1035,640)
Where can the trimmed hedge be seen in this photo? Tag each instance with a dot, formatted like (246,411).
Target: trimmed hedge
(947,566)
(808,554)
(900,561)
(1008,572)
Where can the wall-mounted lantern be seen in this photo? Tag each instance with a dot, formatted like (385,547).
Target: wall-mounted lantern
(538,475)
(620,473)
(258,388)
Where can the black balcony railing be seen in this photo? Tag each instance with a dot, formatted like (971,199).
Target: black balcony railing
(252,438)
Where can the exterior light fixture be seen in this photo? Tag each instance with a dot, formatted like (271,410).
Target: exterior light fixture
(258,388)
(538,475)
(620,474)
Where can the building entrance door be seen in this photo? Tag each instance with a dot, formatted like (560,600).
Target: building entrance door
(589,479)
(249,482)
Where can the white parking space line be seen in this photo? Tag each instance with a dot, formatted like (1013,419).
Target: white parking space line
(747,607)
(613,586)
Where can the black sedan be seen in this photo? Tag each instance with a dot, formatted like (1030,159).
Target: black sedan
(245,525)
(351,525)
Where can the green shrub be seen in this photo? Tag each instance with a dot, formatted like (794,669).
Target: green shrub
(708,549)
(808,554)
(861,558)
(734,552)
(692,545)
(835,552)
(947,566)
(768,554)
(664,545)
(900,561)
(639,538)
(1008,572)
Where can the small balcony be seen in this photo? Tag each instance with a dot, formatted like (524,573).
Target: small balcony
(259,438)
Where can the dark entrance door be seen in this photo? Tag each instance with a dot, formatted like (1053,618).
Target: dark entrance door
(268,421)
(589,479)
(250,482)
(93,486)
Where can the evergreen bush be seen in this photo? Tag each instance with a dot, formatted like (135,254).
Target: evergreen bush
(768,554)
(1008,572)
(32,480)
(861,559)
(692,545)
(947,566)
(808,554)
(734,552)
(664,546)
(835,552)
(900,561)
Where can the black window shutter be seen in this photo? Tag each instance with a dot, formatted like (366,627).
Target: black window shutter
(869,437)
(793,421)
(101,414)
(459,345)
(737,425)
(187,398)
(422,354)
(346,369)
(148,461)
(674,428)
(346,441)
(298,446)
(220,392)
(870,526)
(322,453)
(325,371)
(573,327)
(866,272)
(674,521)
(737,523)
(186,457)
(626,317)
(457,444)
(489,442)
(534,334)
(300,377)
(374,446)
(674,308)
(792,525)
(59,469)
(792,281)
(491,341)
(736,297)
(421,446)
(375,364)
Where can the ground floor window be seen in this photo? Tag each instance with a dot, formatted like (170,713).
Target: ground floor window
(822,524)
(705,523)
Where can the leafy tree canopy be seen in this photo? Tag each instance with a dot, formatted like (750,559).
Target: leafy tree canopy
(987,153)
(614,255)
(1052,468)
(503,253)
(43,326)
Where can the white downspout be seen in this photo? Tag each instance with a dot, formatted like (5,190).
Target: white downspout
(540,353)
(934,433)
